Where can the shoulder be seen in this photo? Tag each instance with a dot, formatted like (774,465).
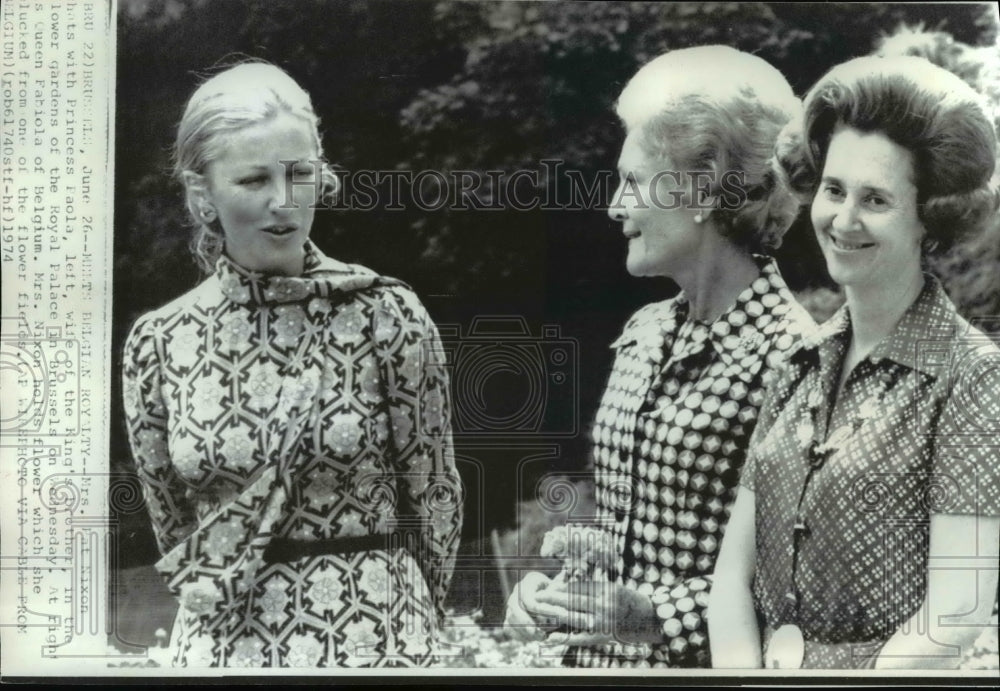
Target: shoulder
(650,319)
(206,293)
(393,304)
(197,299)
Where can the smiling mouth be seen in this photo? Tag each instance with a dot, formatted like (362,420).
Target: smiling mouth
(279,230)
(849,246)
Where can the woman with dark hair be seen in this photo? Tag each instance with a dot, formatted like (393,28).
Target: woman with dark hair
(700,202)
(866,529)
(289,416)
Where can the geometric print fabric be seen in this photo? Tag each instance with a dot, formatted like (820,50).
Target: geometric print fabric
(669,441)
(842,541)
(307,408)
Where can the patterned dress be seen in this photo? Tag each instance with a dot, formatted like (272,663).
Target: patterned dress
(669,442)
(303,408)
(844,496)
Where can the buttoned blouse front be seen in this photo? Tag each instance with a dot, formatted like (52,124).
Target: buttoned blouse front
(669,441)
(844,496)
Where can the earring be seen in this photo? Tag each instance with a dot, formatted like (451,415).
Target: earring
(698,217)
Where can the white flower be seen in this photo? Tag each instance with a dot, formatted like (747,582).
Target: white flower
(223,540)
(325,590)
(343,433)
(183,346)
(303,651)
(237,448)
(360,643)
(322,487)
(248,651)
(200,597)
(207,396)
(262,384)
(349,324)
(375,580)
(273,602)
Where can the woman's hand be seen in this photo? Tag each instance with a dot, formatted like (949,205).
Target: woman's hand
(525,614)
(597,613)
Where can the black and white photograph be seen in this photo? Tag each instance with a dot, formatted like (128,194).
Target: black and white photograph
(589,342)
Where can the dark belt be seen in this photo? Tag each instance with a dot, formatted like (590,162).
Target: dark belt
(283,549)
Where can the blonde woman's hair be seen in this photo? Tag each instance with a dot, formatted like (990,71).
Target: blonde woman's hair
(241,96)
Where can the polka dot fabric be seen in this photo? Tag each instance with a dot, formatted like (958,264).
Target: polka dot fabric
(842,543)
(669,441)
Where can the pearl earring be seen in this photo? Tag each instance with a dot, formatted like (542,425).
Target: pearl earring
(698,217)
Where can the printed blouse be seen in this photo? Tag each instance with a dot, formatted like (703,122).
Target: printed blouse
(302,408)
(669,441)
(844,496)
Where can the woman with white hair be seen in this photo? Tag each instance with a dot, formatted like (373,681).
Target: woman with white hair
(289,416)
(700,201)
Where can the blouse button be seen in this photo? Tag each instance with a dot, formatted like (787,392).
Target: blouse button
(800,525)
(792,597)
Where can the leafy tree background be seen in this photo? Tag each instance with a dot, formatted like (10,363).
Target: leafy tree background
(486,86)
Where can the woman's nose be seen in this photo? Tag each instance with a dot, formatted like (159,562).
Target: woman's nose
(846,218)
(277,200)
(616,212)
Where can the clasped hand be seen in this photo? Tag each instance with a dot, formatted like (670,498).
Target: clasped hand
(582,613)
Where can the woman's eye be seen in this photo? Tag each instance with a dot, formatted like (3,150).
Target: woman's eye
(301,174)
(832,191)
(253,181)
(876,202)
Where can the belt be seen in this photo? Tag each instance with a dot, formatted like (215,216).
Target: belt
(283,549)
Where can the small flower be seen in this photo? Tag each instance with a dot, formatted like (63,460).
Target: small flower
(375,579)
(263,381)
(237,448)
(360,643)
(343,434)
(236,331)
(273,602)
(183,347)
(289,325)
(554,543)
(223,540)
(234,289)
(318,306)
(349,323)
(200,597)
(303,651)
(587,553)
(281,289)
(248,651)
(322,487)
(207,397)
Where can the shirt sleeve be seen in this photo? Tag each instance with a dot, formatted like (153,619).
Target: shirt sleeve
(429,494)
(681,611)
(172,515)
(965,468)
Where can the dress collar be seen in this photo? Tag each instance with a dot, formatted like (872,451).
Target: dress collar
(931,317)
(321,277)
(740,332)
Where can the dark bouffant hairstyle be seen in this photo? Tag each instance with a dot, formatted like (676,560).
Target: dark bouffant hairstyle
(922,107)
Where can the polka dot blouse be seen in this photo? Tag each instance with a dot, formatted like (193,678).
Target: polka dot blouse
(844,496)
(669,442)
